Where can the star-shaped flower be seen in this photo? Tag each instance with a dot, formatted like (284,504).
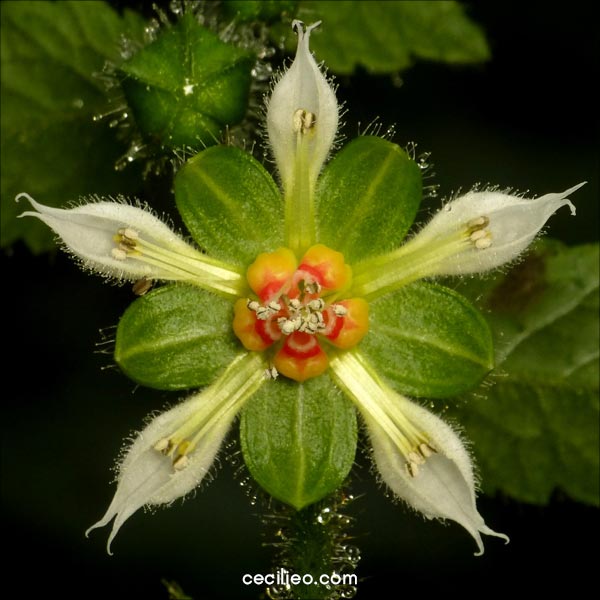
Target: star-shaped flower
(320,294)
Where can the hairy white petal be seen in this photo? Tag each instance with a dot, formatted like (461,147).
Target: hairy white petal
(91,232)
(88,231)
(444,486)
(513,224)
(149,477)
(437,481)
(303,87)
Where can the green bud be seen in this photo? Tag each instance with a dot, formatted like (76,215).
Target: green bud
(187,85)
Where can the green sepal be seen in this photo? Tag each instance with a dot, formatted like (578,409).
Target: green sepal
(230,205)
(299,439)
(367,198)
(187,85)
(428,341)
(176,337)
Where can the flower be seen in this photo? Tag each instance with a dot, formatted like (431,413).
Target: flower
(299,309)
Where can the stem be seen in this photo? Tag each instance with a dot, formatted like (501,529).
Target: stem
(313,541)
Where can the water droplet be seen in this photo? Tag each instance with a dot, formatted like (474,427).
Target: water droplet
(151,30)
(325,516)
(347,591)
(397,80)
(262,71)
(176,7)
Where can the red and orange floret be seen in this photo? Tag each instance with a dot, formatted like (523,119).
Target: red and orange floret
(297,309)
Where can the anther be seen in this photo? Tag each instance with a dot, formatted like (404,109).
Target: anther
(483,243)
(339,310)
(295,304)
(162,445)
(274,306)
(478,223)
(427,450)
(263,313)
(286,325)
(303,120)
(118,254)
(413,457)
(316,305)
(477,235)
(252,305)
(181,462)
(271,373)
(412,468)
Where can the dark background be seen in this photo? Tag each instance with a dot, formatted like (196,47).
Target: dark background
(527,119)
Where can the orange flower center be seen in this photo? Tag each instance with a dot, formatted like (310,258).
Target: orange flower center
(297,310)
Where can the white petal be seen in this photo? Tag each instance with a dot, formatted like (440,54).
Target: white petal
(88,231)
(513,224)
(444,486)
(304,87)
(148,477)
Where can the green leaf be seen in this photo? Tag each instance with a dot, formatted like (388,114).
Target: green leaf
(50,145)
(386,37)
(176,337)
(299,439)
(230,204)
(537,427)
(367,198)
(187,85)
(428,341)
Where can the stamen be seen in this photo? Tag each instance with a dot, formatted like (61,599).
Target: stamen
(318,304)
(478,234)
(130,234)
(118,254)
(478,223)
(303,121)
(426,449)
(483,243)
(414,457)
(412,468)
(181,462)
(339,310)
(162,445)
(418,456)
(271,373)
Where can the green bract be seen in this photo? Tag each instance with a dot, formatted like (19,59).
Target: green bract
(230,205)
(428,341)
(299,440)
(176,337)
(187,85)
(367,198)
